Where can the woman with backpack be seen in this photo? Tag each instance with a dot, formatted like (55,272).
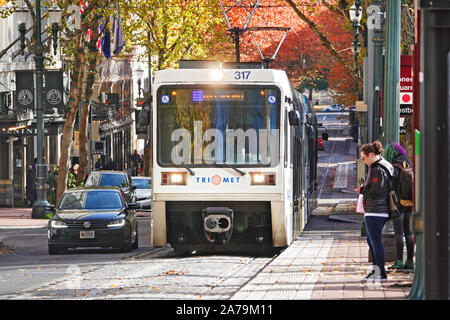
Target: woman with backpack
(376,207)
(396,154)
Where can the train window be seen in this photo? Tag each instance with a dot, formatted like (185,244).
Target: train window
(206,125)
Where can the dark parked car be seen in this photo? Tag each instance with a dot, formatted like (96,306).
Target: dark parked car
(93,217)
(122,179)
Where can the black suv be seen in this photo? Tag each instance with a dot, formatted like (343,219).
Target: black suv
(122,179)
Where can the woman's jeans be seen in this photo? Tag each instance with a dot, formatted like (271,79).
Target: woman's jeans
(402,228)
(374,229)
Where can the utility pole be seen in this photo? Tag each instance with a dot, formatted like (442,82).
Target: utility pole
(391,113)
(434,172)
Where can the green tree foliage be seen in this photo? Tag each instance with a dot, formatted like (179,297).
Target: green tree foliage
(178,29)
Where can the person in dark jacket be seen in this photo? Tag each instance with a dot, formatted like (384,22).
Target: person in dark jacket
(396,154)
(31,186)
(376,206)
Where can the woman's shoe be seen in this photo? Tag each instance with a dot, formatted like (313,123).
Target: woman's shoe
(398,264)
(409,264)
(369,275)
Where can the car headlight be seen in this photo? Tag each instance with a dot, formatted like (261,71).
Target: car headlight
(55,224)
(116,223)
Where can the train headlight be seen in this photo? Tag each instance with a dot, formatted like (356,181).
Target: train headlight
(217,74)
(262,178)
(173,178)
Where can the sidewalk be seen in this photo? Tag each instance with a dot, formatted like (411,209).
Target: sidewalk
(19,218)
(330,258)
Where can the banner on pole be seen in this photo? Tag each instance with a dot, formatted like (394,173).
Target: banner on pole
(53,91)
(24,98)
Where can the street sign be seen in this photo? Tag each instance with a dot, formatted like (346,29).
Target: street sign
(406,91)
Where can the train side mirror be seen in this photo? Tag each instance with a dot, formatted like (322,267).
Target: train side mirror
(325,136)
(294,118)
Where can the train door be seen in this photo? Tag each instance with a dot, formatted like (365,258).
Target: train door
(298,173)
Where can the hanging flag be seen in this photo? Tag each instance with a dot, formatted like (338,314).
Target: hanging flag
(106,43)
(99,41)
(53,91)
(119,42)
(24,98)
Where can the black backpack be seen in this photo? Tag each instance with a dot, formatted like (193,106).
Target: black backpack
(405,180)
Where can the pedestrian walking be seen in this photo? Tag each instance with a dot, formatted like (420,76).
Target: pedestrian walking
(376,206)
(30,189)
(98,164)
(135,162)
(396,155)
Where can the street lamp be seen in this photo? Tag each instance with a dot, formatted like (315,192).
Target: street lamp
(139,73)
(378,41)
(54,19)
(355,12)
(40,205)
(22,17)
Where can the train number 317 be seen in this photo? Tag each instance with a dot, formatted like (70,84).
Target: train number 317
(241,75)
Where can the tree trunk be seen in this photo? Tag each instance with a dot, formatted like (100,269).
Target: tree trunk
(66,143)
(84,119)
(83,142)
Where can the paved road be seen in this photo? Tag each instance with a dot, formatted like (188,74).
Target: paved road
(25,262)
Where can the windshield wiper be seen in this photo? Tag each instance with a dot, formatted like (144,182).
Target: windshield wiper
(219,165)
(188,169)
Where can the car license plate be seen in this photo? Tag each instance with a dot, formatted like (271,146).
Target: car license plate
(87,234)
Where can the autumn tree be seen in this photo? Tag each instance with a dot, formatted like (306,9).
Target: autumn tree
(319,30)
(77,46)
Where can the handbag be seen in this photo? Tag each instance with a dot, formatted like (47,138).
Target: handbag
(393,205)
(360,204)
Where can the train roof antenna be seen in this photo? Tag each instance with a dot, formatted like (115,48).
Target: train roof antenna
(236,31)
(268,60)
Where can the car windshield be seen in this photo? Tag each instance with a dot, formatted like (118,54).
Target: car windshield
(106,180)
(142,183)
(91,200)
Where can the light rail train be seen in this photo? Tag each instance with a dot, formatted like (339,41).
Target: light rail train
(234,158)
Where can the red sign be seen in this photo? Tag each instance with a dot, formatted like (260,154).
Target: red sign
(406,85)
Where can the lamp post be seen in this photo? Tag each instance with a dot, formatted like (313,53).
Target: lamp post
(40,205)
(355,12)
(378,40)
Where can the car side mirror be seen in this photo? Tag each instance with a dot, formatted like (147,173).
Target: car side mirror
(294,118)
(325,136)
(133,187)
(320,124)
(133,206)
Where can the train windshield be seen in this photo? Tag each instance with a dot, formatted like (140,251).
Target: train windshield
(206,126)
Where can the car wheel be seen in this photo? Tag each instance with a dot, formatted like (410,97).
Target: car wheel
(53,249)
(127,247)
(136,241)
